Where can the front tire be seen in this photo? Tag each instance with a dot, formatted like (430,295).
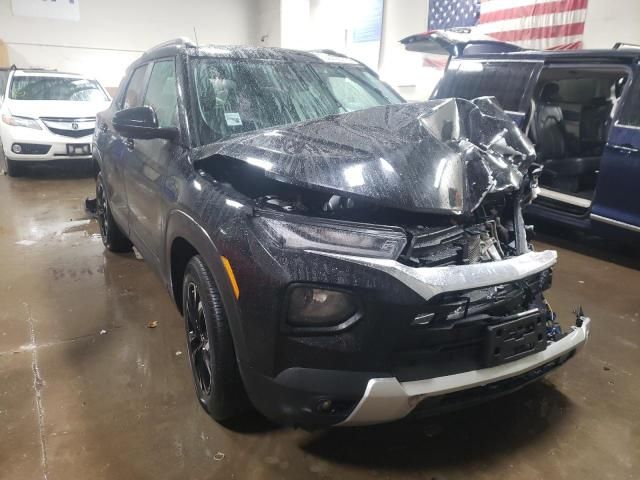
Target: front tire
(112,237)
(212,356)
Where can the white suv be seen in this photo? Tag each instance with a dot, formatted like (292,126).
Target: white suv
(47,116)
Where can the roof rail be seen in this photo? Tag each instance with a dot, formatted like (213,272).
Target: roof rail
(29,69)
(625,46)
(186,41)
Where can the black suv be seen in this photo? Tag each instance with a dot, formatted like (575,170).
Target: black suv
(339,256)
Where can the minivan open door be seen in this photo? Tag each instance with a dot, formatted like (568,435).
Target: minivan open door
(615,208)
(470,75)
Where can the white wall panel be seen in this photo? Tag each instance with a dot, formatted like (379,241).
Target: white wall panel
(111,33)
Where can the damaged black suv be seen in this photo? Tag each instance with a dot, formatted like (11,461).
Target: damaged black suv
(339,256)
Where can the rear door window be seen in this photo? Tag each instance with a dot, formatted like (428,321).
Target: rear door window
(133,95)
(630,109)
(507,81)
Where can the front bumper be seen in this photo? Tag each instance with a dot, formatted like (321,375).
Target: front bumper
(387,399)
(298,396)
(383,366)
(57,144)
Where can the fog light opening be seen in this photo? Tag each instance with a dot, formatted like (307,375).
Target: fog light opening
(310,306)
(16,148)
(324,406)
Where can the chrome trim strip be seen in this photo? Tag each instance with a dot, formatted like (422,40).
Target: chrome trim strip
(624,149)
(80,125)
(563,197)
(68,119)
(622,125)
(496,60)
(617,223)
(431,281)
(387,399)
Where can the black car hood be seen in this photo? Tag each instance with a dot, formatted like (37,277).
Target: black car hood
(441,156)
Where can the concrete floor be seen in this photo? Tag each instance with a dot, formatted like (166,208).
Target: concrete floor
(75,403)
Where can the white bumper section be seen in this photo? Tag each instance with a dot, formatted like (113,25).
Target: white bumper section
(387,399)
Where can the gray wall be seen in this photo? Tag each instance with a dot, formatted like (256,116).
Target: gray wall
(111,34)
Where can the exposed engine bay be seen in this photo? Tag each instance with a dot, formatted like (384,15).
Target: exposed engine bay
(454,174)
(494,231)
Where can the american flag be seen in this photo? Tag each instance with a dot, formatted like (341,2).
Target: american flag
(535,24)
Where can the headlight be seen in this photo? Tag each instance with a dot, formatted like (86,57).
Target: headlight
(317,307)
(20,121)
(334,236)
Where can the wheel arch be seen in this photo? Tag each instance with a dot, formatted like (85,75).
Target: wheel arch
(181,252)
(96,159)
(186,238)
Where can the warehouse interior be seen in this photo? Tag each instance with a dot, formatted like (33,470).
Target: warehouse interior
(95,373)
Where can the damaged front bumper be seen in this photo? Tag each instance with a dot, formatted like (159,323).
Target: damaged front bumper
(387,399)
(431,281)
(399,355)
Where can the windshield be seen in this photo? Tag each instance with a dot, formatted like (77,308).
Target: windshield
(71,89)
(235,96)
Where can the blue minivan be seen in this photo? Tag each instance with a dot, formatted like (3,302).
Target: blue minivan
(581,109)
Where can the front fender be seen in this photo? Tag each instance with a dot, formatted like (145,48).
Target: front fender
(183,225)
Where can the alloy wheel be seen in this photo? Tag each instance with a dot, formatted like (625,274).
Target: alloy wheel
(101,210)
(198,339)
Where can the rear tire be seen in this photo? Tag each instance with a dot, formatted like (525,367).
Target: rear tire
(212,356)
(112,237)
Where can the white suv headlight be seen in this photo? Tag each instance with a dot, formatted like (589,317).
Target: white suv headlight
(21,121)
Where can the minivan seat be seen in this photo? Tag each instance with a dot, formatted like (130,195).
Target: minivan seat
(548,133)
(594,125)
(547,128)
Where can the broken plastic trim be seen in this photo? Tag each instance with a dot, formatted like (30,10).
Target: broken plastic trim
(431,281)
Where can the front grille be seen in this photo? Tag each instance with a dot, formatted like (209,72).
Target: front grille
(441,246)
(70,127)
(72,133)
(452,338)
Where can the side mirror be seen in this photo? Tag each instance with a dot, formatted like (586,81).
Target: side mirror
(141,123)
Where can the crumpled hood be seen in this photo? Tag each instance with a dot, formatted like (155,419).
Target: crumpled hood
(441,156)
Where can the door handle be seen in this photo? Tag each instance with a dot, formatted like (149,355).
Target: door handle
(129,144)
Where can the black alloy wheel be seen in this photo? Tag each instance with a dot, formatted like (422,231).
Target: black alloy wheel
(198,340)
(112,236)
(218,385)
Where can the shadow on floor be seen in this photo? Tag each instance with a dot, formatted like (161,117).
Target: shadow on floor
(58,170)
(625,254)
(251,423)
(477,434)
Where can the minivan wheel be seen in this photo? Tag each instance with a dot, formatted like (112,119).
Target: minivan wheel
(112,236)
(212,356)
